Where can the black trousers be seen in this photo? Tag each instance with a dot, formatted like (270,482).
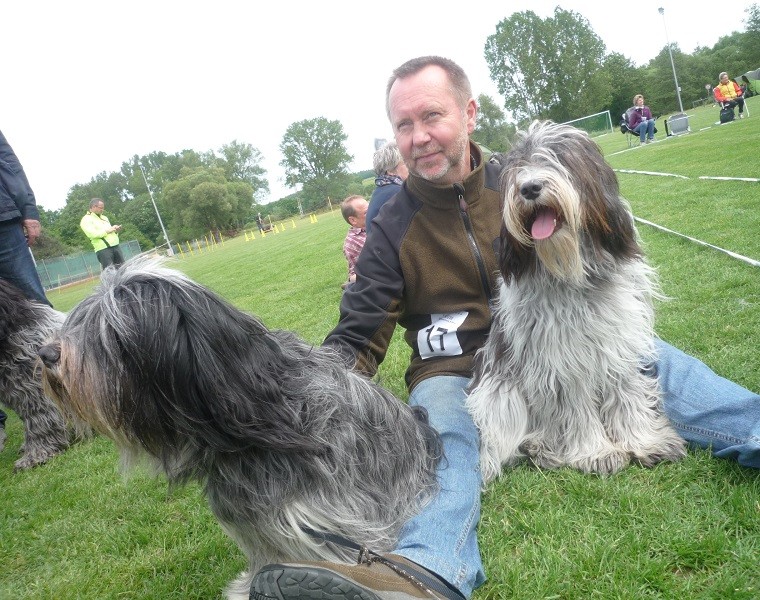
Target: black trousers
(110,256)
(736,102)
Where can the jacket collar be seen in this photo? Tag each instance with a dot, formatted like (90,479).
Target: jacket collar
(446,196)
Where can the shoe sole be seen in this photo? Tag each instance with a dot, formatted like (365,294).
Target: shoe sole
(283,583)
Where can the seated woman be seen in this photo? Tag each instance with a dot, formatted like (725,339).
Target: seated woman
(729,94)
(641,120)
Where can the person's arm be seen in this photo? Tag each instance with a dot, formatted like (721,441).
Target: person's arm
(738,89)
(718,94)
(93,227)
(370,308)
(19,189)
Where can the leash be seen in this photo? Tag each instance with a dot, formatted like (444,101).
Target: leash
(418,578)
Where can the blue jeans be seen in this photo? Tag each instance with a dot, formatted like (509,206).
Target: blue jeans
(16,262)
(706,410)
(645,129)
(442,538)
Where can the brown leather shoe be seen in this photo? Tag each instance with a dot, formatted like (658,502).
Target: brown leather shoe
(386,577)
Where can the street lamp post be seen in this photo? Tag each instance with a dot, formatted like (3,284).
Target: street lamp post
(672,64)
(169,249)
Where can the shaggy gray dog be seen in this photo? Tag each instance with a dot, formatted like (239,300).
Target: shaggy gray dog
(282,436)
(24,327)
(561,379)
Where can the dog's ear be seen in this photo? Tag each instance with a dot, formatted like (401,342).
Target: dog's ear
(183,364)
(623,243)
(619,237)
(515,260)
(608,220)
(15,310)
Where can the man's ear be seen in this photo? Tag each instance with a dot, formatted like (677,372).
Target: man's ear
(471,111)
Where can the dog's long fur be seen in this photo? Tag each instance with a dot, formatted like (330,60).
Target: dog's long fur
(25,325)
(562,378)
(281,434)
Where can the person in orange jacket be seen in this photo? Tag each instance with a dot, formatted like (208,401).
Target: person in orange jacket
(729,94)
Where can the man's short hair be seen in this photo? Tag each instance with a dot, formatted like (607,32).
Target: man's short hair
(460,84)
(722,75)
(386,158)
(347,207)
(95,201)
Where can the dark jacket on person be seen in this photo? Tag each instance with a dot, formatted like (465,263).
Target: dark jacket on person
(386,186)
(639,114)
(432,255)
(16,197)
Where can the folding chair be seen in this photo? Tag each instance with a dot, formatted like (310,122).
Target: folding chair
(630,134)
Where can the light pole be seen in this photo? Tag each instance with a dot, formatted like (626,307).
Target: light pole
(672,64)
(169,250)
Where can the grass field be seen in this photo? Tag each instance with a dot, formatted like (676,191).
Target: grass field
(75,528)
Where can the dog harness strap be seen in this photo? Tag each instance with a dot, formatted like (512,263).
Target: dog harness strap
(418,578)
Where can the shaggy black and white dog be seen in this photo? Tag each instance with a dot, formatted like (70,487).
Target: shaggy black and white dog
(283,437)
(24,327)
(561,379)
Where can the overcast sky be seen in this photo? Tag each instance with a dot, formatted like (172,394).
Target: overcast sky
(87,85)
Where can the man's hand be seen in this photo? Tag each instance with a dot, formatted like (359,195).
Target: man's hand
(32,230)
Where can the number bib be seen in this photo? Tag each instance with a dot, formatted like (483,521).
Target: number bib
(440,338)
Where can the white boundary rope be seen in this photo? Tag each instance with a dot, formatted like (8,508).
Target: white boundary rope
(651,173)
(730,178)
(751,261)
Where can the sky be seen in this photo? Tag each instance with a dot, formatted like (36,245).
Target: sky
(89,84)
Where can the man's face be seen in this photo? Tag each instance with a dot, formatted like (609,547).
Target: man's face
(724,79)
(359,219)
(98,208)
(431,129)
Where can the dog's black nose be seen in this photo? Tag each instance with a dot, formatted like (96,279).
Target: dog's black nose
(50,354)
(531,189)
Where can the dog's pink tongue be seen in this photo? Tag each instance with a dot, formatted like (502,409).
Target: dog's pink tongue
(544,225)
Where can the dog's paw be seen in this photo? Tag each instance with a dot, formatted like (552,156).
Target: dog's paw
(605,463)
(672,451)
(33,459)
(541,456)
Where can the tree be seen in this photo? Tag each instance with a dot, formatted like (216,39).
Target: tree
(49,246)
(751,38)
(203,200)
(625,83)
(548,68)
(315,157)
(491,128)
(241,162)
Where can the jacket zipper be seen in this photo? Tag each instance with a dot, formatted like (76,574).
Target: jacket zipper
(473,244)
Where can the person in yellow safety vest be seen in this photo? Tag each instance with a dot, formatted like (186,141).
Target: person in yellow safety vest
(103,235)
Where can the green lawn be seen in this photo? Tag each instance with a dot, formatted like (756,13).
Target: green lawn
(75,528)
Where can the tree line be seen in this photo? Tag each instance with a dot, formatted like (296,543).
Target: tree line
(555,68)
